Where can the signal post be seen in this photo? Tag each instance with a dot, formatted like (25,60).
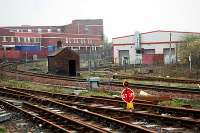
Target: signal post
(128,95)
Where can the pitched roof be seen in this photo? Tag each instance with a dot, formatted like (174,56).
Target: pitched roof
(56,52)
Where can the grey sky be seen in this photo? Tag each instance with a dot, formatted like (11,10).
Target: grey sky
(121,17)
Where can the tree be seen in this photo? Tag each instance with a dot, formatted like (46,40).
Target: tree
(107,51)
(190,46)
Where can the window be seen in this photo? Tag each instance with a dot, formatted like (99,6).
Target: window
(148,51)
(21,39)
(39,30)
(37,39)
(28,39)
(75,40)
(12,39)
(31,40)
(18,39)
(29,30)
(25,30)
(67,40)
(58,30)
(138,51)
(49,30)
(4,39)
(82,41)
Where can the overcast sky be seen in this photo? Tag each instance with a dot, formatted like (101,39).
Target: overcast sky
(121,17)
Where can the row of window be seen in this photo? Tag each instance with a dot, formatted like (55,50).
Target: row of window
(82,41)
(20,39)
(39,30)
(37,40)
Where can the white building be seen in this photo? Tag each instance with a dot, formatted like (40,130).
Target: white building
(135,49)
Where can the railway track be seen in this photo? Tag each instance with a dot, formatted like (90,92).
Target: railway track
(158,87)
(139,77)
(106,101)
(33,116)
(75,98)
(44,107)
(161,117)
(153,78)
(136,86)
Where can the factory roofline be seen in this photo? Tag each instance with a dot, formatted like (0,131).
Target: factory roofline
(157,31)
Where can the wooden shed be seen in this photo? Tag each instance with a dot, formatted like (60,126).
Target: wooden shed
(64,61)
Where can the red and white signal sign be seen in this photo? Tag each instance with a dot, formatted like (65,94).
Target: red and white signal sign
(127,95)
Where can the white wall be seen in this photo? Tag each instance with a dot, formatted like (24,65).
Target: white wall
(155,37)
(156,40)
(131,49)
(123,40)
(158,47)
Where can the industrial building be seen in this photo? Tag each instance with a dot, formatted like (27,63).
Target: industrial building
(80,35)
(149,47)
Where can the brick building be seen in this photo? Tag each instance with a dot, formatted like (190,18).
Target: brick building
(80,35)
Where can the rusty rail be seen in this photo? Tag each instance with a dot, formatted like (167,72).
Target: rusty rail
(107,102)
(89,115)
(121,114)
(33,117)
(136,86)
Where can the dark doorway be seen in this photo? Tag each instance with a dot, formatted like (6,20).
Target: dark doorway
(72,68)
(59,44)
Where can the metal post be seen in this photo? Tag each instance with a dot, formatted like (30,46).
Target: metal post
(176,53)
(110,79)
(4,53)
(89,65)
(125,67)
(78,28)
(170,49)
(17,78)
(93,56)
(190,60)
(26,56)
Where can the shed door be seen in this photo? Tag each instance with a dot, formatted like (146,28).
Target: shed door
(166,52)
(72,68)
(123,54)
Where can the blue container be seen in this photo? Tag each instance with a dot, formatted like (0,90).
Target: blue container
(28,48)
(51,48)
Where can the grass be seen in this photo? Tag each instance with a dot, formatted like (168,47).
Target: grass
(2,130)
(89,92)
(164,83)
(34,86)
(38,67)
(181,102)
(99,93)
(104,77)
(41,87)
